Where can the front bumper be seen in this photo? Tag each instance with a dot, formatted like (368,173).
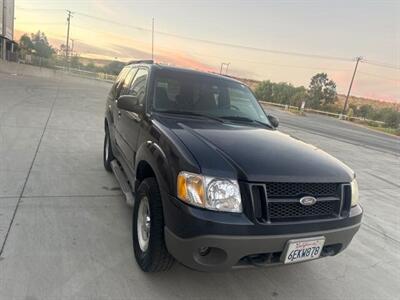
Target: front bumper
(230,251)
(236,240)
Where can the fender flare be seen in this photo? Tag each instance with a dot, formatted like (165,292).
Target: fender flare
(154,155)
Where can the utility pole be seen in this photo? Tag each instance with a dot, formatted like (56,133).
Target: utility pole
(152,39)
(226,67)
(358,59)
(68,27)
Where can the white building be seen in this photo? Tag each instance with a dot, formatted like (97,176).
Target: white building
(7,42)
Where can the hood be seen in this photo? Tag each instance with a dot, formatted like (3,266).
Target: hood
(255,154)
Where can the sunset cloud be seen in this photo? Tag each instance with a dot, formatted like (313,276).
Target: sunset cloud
(111,29)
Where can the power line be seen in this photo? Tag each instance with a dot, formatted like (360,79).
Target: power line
(379,76)
(381,64)
(260,62)
(40,23)
(40,9)
(113,22)
(235,59)
(272,51)
(219,43)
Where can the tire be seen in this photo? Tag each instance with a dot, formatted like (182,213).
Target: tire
(154,257)
(108,155)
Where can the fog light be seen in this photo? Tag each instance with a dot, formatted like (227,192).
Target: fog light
(203,251)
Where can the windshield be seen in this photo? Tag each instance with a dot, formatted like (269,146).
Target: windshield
(190,93)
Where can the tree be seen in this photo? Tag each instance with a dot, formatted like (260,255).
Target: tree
(365,110)
(41,45)
(25,43)
(62,50)
(114,67)
(299,96)
(283,92)
(75,63)
(322,91)
(392,118)
(91,67)
(263,90)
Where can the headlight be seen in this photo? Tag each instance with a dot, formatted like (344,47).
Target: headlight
(208,192)
(354,192)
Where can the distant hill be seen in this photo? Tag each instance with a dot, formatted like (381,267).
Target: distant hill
(358,101)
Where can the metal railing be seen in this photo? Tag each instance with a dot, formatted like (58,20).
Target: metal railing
(57,63)
(321,112)
(87,74)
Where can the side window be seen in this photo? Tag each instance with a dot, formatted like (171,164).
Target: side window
(126,83)
(138,86)
(117,84)
(121,75)
(240,100)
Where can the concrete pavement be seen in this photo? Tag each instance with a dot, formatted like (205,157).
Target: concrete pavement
(65,230)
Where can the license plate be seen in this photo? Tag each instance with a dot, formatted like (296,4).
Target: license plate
(303,249)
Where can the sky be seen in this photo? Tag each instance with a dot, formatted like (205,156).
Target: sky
(281,41)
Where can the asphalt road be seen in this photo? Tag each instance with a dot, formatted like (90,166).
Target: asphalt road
(65,231)
(341,131)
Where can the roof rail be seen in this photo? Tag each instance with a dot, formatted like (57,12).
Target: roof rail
(143,61)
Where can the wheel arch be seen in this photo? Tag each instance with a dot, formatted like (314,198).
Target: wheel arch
(151,161)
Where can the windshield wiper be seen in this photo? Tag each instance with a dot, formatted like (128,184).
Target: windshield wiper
(190,113)
(219,118)
(244,119)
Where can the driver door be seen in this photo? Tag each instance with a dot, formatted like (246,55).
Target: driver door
(123,90)
(129,122)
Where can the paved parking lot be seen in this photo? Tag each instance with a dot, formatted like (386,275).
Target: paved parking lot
(65,231)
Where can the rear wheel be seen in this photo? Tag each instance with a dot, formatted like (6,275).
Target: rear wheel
(148,229)
(107,151)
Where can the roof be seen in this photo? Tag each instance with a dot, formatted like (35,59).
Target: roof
(183,70)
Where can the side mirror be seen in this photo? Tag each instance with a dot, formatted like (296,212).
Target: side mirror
(273,120)
(130,103)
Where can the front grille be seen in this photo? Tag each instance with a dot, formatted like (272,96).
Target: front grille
(280,201)
(288,189)
(289,210)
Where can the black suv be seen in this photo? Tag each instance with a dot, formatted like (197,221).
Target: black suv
(213,184)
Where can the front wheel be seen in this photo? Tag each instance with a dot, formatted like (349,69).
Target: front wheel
(148,229)
(108,156)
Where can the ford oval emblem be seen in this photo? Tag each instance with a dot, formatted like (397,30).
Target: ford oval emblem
(308,201)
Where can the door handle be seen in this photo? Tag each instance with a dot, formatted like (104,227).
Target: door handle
(133,116)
